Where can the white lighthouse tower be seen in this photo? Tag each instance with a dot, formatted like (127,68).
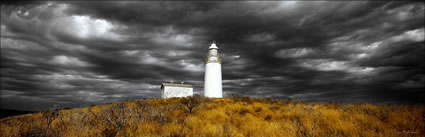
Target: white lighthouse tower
(212,85)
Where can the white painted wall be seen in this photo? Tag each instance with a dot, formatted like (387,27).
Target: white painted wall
(169,92)
(213,85)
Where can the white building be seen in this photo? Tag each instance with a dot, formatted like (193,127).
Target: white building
(212,83)
(169,90)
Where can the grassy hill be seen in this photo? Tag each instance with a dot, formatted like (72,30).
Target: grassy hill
(222,117)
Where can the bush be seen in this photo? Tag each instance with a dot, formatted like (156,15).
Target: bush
(191,102)
(239,98)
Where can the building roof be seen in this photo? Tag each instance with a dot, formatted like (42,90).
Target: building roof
(176,85)
(213,46)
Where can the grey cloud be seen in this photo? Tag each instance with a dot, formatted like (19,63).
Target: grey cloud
(313,51)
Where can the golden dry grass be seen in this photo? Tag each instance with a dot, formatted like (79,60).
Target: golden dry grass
(223,117)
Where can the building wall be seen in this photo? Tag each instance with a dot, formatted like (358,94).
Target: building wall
(169,92)
(213,83)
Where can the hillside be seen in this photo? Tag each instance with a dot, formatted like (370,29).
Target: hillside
(11,112)
(224,117)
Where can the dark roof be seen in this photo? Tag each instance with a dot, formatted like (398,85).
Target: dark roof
(176,85)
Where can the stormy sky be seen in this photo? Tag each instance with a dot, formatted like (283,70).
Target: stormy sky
(80,53)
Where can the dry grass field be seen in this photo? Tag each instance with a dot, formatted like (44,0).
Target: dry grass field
(223,117)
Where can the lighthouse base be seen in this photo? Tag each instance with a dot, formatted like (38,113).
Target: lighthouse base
(213,85)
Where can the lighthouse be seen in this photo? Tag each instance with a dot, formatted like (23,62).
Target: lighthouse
(212,83)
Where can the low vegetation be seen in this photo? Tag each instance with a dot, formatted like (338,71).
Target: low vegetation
(222,117)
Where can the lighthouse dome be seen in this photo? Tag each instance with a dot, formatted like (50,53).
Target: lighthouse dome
(213,46)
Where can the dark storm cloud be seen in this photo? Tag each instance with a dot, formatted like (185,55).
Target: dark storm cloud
(80,53)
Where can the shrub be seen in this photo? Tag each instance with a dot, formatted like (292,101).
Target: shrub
(116,116)
(239,98)
(191,102)
(49,117)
